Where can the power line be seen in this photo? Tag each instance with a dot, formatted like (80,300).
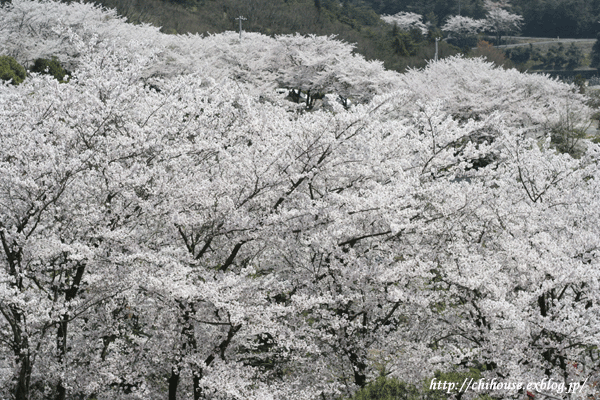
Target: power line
(241,18)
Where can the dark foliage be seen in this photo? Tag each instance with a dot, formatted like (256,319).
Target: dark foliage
(520,55)
(51,67)
(562,18)
(543,18)
(11,70)
(353,21)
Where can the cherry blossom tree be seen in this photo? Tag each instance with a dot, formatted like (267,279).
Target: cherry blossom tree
(321,65)
(461,28)
(31,30)
(406,21)
(535,320)
(501,22)
(196,250)
(474,89)
(167,234)
(56,224)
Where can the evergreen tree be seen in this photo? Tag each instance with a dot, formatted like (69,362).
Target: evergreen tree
(519,55)
(403,44)
(11,70)
(574,57)
(556,57)
(50,66)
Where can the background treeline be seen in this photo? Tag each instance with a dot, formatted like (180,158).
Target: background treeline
(544,18)
(564,18)
(358,21)
(558,57)
(354,21)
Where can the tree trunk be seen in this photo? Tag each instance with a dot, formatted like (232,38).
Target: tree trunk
(61,346)
(16,320)
(173,382)
(188,343)
(61,334)
(24,379)
(360,378)
(197,388)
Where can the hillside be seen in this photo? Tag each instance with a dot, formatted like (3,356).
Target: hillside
(544,18)
(354,20)
(358,21)
(351,21)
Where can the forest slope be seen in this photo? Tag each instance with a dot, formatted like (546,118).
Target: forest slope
(354,20)
(358,21)
(351,21)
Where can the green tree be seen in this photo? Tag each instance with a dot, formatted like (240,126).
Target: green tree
(432,19)
(535,53)
(11,70)
(556,57)
(574,57)
(51,67)
(519,55)
(387,389)
(403,44)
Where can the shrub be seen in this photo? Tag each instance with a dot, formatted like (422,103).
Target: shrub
(387,389)
(574,57)
(491,54)
(556,58)
(51,67)
(393,389)
(519,55)
(466,42)
(11,70)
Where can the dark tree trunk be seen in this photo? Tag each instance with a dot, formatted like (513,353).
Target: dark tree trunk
(197,388)
(173,382)
(61,334)
(16,320)
(61,345)
(188,343)
(24,378)
(360,378)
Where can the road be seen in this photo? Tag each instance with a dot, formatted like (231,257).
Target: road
(544,41)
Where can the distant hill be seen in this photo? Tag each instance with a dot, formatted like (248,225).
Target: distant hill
(544,18)
(354,21)
(564,18)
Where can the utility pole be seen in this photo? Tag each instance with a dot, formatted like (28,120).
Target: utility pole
(437,39)
(241,18)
